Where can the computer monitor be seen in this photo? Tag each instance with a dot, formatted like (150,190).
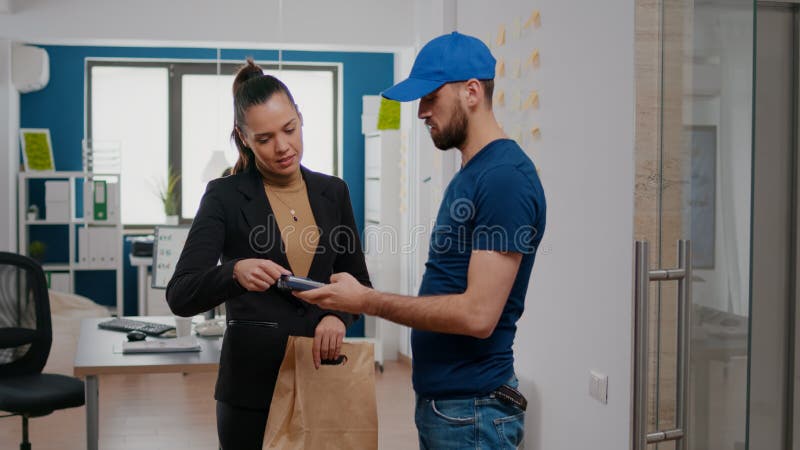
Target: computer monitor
(167,247)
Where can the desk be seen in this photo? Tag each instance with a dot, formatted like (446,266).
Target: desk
(141,263)
(95,357)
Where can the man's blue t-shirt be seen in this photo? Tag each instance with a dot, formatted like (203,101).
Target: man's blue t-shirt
(495,202)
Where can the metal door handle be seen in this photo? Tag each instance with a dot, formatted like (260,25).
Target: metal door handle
(642,278)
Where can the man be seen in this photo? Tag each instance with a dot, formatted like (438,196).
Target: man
(480,259)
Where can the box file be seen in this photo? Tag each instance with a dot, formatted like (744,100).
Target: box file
(100,200)
(112,196)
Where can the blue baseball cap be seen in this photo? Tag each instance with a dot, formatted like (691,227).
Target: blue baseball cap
(445,59)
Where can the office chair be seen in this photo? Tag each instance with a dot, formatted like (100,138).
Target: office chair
(25,338)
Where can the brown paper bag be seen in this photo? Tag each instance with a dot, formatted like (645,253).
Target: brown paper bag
(330,408)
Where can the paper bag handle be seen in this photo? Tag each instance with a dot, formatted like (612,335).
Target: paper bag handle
(342,359)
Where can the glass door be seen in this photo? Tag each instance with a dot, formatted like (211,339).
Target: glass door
(694,162)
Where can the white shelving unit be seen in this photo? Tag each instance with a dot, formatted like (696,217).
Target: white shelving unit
(73,265)
(382,232)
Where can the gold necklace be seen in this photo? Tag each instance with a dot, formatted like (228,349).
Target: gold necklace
(291,210)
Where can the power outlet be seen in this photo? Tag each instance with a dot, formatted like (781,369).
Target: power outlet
(598,386)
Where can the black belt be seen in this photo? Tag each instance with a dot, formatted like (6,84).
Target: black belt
(508,394)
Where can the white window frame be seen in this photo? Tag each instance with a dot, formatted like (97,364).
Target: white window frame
(177,68)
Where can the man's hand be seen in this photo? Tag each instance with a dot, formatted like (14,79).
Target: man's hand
(344,293)
(328,339)
(474,312)
(256,274)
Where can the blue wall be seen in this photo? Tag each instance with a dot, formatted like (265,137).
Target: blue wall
(60,106)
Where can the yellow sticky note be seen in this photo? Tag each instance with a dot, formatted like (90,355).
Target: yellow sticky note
(536,132)
(501,98)
(532,101)
(501,36)
(501,68)
(534,20)
(534,58)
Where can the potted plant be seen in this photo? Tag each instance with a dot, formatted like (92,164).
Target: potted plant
(168,195)
(36,250)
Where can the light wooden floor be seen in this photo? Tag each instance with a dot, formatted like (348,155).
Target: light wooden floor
(173,411)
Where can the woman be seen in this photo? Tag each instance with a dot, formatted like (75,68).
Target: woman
(270,217)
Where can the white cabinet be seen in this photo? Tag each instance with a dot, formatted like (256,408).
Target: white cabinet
(382,204)
(93,238)
(372,201)
(382,231)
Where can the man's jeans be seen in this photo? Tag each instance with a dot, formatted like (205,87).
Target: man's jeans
(469,423)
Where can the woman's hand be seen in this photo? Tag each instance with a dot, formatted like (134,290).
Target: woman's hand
(328,339)
(256,274)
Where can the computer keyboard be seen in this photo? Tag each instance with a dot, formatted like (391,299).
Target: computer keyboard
(148,328)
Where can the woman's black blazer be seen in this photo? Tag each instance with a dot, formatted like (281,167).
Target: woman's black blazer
(235,222)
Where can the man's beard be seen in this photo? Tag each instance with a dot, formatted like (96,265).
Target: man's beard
(455,134)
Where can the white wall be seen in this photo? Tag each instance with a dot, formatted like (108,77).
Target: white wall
(6,6)
(9,151)
(578,314)
(579,306)
(324,24)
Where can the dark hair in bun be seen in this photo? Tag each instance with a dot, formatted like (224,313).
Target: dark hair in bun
(251,87)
